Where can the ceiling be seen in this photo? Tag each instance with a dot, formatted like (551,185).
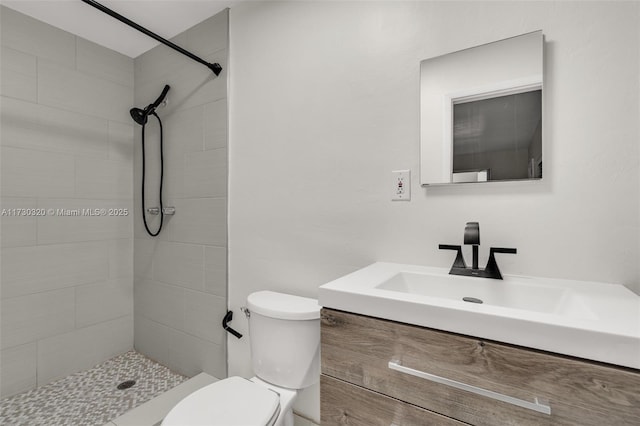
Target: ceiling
(166,18)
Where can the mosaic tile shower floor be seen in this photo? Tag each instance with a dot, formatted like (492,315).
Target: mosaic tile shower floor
(90,397)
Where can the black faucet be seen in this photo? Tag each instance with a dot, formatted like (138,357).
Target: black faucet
(472,237)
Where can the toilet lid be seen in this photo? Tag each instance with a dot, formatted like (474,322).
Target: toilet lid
(230,402)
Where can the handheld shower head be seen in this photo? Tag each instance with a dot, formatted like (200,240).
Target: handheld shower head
(140,115)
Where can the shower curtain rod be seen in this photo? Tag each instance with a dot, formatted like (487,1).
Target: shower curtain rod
(215,67)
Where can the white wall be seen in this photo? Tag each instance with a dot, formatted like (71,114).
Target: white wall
(324,104)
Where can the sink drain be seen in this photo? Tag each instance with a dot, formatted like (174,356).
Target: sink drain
(126,385)
(472,300)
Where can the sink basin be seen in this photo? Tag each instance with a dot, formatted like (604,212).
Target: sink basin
(490,292)
(598,321)
(512,294)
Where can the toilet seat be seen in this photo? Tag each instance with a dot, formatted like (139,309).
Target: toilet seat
(230,402)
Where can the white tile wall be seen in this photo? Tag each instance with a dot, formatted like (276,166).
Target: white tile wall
(59,86)
(43,128)
(203,86)
(215,124)
(205,174)
(160,302)
(209,36)
(104,63)
(183,135)
(180,289)
(35,269)
(190,355)
(29,173)
(203,314)
(143,257)
(104,179)
(121,258)
(18,230)
(18,78)
(20,62)
(36,316)
(199,221)
(18,369)
(147,65)
(215,272)
(61,229)
(152,338)
(179,264)
(67,143)
(184,128)
(29,35)
(103,301)
(121,142)
(83,348)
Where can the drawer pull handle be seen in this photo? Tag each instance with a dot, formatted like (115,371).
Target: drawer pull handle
(535,406)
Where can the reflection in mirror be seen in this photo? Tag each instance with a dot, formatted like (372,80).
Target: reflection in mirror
(481,113)
(498,138)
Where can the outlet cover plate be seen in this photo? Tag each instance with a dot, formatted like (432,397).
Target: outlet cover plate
(401,185)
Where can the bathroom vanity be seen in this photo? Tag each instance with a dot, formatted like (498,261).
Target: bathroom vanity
(379,370)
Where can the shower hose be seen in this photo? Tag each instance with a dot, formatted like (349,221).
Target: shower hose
(144,215)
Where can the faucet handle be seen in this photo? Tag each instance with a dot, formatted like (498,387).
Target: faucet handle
(472,233)
(502,250)
(459,262)
(492,270)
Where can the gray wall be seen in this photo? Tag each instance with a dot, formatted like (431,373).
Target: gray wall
(66,282)
(180,276)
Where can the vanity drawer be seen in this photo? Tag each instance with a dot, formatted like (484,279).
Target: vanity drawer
(342,403)
(392,358)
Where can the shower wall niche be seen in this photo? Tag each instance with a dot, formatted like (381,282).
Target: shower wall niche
(180,283)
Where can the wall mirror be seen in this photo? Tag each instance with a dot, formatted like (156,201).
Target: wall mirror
(481,113)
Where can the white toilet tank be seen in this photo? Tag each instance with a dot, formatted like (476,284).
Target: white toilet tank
(284,332)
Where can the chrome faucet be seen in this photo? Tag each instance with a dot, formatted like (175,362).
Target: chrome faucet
(472,238)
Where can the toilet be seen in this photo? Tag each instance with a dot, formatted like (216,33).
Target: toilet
(284,333)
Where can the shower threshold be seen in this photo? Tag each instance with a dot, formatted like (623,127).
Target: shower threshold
(92,397)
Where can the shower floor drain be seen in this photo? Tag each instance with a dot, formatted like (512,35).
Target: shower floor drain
(126,385)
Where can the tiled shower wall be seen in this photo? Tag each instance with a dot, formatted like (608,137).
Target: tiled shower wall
(180,276)
(66,281)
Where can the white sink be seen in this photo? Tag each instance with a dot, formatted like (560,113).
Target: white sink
(512,294)
(597,321)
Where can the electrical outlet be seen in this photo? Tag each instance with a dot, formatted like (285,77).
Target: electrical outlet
(401,185)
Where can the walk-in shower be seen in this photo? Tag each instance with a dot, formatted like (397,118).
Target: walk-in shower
(87,291)
(141,116)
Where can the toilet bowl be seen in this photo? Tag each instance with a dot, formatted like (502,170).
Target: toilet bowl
(284,333)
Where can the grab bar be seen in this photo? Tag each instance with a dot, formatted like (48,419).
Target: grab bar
(537,405)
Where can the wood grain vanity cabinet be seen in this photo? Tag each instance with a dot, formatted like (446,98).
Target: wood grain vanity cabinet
(380,372)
